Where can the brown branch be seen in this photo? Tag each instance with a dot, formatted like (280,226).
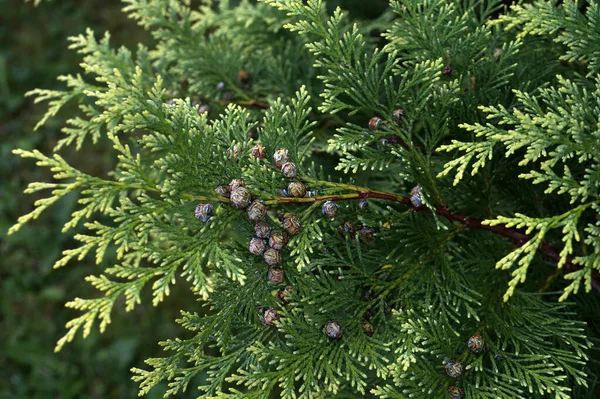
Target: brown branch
(517,237)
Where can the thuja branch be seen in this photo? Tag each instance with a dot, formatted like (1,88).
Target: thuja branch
(517,237)
(359,192)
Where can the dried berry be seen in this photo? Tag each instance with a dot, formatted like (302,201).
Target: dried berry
(240,197)
(367,233)
(277,240)
(455,392)
(257,210)
(235,183)
(398,114)
(285,294)
(289,170)
(257,246)
(476,344)
(447,71)
(454,368)
(415,197)
(243,76)
(375,123)
(333,330)
(262,230)
(276,275)
(272,257)
(268,316)
(296,189)
(259,151)
(234,152)
(280,157)
(222,190)
(349,227)
(329,208)
(204,212)
(291,224)
(368,328)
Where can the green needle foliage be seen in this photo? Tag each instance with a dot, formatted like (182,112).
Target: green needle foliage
(493,112)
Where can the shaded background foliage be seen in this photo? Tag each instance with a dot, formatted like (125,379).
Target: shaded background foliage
(33,51)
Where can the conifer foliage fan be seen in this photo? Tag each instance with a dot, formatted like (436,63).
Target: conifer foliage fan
(399,207)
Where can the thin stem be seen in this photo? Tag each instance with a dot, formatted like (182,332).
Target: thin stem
(360,192)
(204,198)
(517,237)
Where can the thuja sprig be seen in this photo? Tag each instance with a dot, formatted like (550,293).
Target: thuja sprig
(302,295)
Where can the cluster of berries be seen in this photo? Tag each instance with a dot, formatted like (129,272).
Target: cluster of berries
(269,315)
(375,123)
(455,368)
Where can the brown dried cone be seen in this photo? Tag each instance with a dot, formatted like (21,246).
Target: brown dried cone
(277,240)
(333,330)
(240,197)
(262,230)
(476,344)
(222,190)
(235,183)
(367,233)
(276,275)
(268,316)
(398,114)
(285,294)
(257,246)
(291,224)
(203,212)
(329,208)
(280,157)
(257,210)
(375,123)
(296,189)
(349,227)
(454,368)
(243,76)
(289,170)
(272,257)
(259,151)
(455,392)
(415,197)
(234,152)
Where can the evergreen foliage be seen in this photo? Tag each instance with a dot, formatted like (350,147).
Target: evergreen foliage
(493,113)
